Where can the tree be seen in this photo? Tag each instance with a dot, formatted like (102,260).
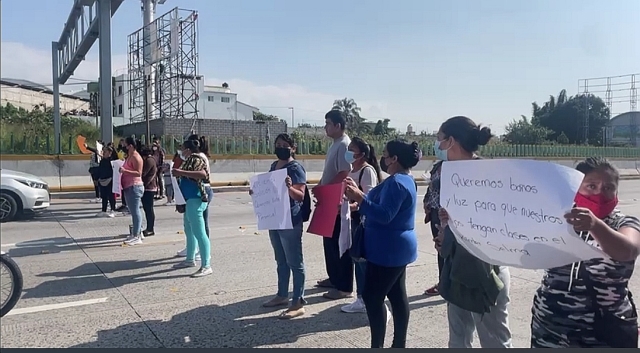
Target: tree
(563,139)
(523,132)
(259,116)
(351,113)
(382,128)
(567,116)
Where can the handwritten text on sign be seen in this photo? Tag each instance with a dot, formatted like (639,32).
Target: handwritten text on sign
(271,202)
(511,212)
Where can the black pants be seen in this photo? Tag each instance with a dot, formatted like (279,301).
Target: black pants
(108,198)
(386,282)
(434,222)
(339,269)
(147,206)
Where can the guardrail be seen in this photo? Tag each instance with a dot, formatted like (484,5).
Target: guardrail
(239,145)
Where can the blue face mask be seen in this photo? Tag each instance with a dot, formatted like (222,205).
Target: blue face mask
(440,154)
(349,157)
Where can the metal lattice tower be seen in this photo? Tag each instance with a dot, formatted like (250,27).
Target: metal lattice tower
(172,38)
(616,90)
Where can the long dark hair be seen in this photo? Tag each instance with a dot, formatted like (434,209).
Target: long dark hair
(135,142)
(203,146)
(113,155)
(192,145)
(146,151)
(408,153)
(369,155)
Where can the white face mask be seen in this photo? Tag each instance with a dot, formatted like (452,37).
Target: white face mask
(181,155)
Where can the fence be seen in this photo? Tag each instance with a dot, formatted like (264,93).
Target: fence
(239,145)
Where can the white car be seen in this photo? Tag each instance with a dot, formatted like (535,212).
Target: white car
(20,192)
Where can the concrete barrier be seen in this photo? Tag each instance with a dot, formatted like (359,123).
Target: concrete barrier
(69,173)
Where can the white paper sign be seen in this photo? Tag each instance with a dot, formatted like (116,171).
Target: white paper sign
(116,186)
(99,149)
(270,199)
(344,241)
(177,194)
(511,212)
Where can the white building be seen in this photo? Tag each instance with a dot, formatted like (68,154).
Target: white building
(214,102)
(26,94)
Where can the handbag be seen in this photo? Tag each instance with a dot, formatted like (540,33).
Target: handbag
(609,328)
(105,182)
(357,243)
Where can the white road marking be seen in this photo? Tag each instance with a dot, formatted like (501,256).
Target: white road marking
(36,309)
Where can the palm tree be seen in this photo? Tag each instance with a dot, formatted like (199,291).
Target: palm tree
(351,112)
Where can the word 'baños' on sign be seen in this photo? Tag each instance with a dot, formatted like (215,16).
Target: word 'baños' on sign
(511,212)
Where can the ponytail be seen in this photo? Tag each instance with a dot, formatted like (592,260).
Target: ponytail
(373,161)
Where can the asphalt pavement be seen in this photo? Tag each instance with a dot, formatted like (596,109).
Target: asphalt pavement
(82,288)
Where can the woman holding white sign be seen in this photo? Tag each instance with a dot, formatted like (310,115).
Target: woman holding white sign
(477,293)
(287,243)
(390,242)
(588,304)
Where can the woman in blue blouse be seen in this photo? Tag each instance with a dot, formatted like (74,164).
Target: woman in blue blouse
(390,242)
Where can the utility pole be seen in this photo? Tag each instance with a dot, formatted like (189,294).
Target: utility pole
(148,11)
(292,118)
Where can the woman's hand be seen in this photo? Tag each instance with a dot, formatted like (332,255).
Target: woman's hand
(444,216)
(176,172)
(352,191)
(288,182)
(122,170)
(439,238)
(582,219)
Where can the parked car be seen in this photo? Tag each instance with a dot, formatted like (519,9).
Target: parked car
(20,193)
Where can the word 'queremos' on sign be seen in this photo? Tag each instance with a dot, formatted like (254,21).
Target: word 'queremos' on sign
(511,212)
(271,202)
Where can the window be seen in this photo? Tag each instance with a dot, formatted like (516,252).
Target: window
(225,99)
(119,109)
(211,98)
(119,90)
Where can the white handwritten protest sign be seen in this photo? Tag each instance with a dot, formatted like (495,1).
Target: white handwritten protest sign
(116,186)
(511,212)
(177,194)
(271,200)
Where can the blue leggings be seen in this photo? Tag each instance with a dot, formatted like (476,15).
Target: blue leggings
(196,233)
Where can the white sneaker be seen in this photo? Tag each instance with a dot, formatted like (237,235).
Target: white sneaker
(98,200)
(356,307)
(170,203)
(134,241)
(203,271)
(183,253)
(111,214)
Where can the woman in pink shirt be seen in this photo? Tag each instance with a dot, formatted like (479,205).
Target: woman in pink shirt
(133,187)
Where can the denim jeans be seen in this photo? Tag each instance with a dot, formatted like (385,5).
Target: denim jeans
(133,197)
(209,191)
(194,231)
(493,327)
(361,269)
(287,247)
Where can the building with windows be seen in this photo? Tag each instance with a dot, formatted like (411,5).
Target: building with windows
(624,130)
(214,102)
(26,94)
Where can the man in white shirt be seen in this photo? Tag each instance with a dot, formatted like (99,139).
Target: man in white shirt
(336,169)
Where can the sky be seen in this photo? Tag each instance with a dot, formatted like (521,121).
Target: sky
(414,62)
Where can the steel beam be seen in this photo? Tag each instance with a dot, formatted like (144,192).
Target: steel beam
(106,89)
(57,146)
(80,32)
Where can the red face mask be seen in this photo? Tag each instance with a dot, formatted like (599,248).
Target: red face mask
(597,204)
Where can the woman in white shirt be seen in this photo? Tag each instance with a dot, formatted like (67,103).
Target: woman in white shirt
(365,171)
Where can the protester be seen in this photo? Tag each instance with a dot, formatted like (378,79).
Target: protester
(122,154)
(191,174)
(158,155)
(336,169)
(168,185)
(487,298)
(133,188)
(287,243)
(204,154)
(365,171)
(94,163)
(105,181)
(149,179)
(588,304)
(431,205)
(390,242)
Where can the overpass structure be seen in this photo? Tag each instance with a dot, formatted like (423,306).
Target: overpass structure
(88,21)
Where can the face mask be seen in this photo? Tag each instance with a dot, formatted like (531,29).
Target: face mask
(283,153)
(440,154)
(383,165)
(349,157)
(181,155)
(597,204)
